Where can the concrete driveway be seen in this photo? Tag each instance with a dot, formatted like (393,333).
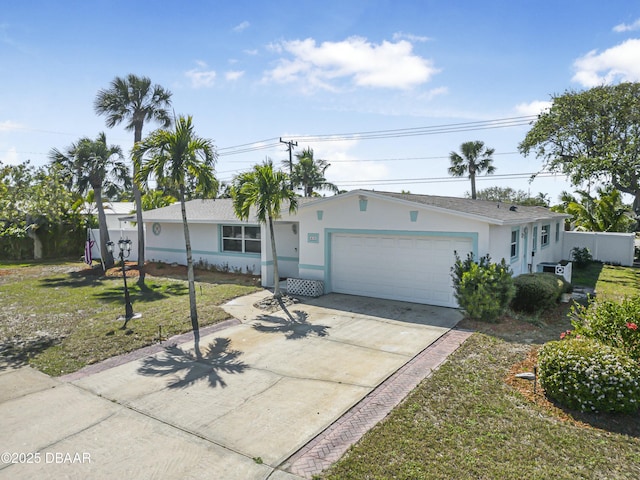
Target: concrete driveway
(265,386)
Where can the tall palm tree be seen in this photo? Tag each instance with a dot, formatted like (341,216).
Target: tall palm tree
(134,100)
(92,164)
(308,173)
(604,213)
(178,157)
(265,189)
(475,159)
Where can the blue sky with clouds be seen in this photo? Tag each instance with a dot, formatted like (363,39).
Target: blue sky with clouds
(428,75)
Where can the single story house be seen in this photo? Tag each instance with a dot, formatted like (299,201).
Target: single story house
(370,243)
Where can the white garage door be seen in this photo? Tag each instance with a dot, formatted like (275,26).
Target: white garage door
(412,269)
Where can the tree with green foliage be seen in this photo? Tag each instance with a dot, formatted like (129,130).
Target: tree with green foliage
(177,157)
(153,199)
(509,195)
(134,100)
(267,190)
(92,164)
(592,135)
(604,212)
(39,214)
(309,174)
(473,160)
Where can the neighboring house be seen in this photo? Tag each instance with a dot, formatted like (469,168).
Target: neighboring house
(378,244)
(118,214)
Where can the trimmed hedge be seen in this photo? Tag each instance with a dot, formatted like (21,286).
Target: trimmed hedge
(585,375)
(538,291)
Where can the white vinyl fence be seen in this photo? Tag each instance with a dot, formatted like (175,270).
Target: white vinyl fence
(114,236)
(615,248)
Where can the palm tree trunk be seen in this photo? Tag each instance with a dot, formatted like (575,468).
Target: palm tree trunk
(190,277)
(137,198)
(276,274)
(472,176)
(102,225)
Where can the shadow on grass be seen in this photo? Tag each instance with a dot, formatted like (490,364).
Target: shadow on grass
(74,279)
(217,359)
(294,326)
(16,352)
(625,424)
(587,276)
(150,293)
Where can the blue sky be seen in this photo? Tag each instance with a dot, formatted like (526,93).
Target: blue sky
(251,72)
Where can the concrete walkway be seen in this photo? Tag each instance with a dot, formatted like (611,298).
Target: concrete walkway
(267,399)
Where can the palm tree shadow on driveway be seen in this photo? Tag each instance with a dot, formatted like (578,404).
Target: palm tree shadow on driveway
(195,366)
(295,326)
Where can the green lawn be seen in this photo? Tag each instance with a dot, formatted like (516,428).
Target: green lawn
(467,422)
(59,320)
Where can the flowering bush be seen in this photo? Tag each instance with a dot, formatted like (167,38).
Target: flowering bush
(483,289)
(586,375)
(612,323)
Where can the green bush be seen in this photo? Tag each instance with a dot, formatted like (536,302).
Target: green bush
(613,323)
(585,375)
(484,289)
(581,257)
(537,291)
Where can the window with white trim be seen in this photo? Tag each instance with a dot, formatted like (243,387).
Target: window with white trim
(544,236)
(515,236)
(534,247)
(241,239)
(557,232)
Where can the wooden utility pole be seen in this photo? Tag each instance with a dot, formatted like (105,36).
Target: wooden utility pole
(290,144)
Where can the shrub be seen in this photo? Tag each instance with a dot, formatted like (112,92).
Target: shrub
(581,257)
(585,375)
(537,291)
(616,324)
(484,289)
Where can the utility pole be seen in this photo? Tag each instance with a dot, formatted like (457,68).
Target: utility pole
(290,145)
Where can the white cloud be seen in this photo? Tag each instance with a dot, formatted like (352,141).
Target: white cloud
(233,75)
(408,36)
(627,27)
(10,157)
(434,92)
(364,64)
(619,63)
(251,52)
(533,108)
(201,78)
(8,126)
(241,27)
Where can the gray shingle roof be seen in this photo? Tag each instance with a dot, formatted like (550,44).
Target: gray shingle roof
(494,212)
(205,211)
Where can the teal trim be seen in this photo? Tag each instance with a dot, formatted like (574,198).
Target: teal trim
(313,238)
(473,236)
(514,252)
(204,252)
(305,266)
(534,247)
(280,259)
(319,214)
(557,232)
(413,215)
(363,204)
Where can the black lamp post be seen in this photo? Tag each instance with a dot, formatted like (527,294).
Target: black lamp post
(125,249)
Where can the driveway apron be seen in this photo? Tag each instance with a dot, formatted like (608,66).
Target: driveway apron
(260,390)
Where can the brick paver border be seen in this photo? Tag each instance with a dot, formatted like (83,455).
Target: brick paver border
(325,449)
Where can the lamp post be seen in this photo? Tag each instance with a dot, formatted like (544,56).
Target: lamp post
(125,249)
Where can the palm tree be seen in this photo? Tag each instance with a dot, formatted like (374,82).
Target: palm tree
(265,189)
(604,213)
(134,100)
(308,173)
(178,157)
(475,159)
(93,164)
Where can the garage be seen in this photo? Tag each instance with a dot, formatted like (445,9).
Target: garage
(398,267)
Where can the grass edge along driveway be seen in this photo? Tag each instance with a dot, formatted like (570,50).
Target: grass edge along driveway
(60,317)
